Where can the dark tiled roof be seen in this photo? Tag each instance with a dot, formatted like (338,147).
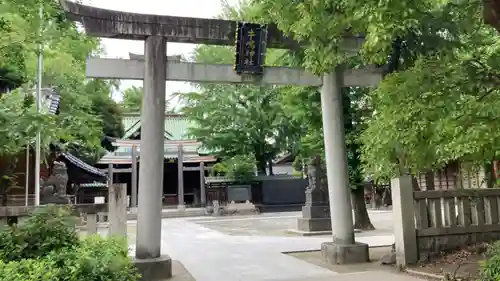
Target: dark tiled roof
(82,165)
(51,100)
(54,103)
(94,184)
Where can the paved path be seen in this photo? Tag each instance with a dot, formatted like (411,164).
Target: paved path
(210,255)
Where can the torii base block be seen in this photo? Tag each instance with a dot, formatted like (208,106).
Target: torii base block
(338,253)
(154,269)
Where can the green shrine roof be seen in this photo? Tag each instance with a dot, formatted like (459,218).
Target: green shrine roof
(176,129)
(176,126)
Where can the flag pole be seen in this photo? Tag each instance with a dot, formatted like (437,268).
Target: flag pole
(38,108)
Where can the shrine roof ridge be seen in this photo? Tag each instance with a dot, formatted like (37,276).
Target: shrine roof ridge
(134,26)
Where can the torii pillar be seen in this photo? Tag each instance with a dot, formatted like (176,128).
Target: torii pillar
(149,209)
(152,265)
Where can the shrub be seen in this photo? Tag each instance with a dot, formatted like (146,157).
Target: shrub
(48,229)
(241,168)
(47,247)
(29,270)
(490,268)
(96,258)
(219,169)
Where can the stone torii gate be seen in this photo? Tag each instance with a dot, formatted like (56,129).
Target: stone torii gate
(156,30)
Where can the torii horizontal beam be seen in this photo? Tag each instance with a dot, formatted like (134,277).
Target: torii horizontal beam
(137,143)
(223,73)
(120,25)
(134,56)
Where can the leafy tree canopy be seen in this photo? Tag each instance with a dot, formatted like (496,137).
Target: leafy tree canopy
(86,111)
(438,103)
(322,24)
(240,119)
(132,99)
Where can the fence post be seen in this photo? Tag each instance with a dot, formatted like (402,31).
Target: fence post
(405,235)
(117,209)
(91,223)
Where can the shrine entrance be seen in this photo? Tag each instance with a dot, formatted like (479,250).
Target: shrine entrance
(155,69)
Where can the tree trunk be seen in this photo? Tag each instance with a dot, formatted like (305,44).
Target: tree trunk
(3,188)
(6,172)
(361,218)
(261,165)
(271,167)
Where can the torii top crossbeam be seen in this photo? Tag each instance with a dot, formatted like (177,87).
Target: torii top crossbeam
(132,26)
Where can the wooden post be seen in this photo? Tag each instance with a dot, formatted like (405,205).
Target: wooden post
(404,221)
(133,202)
(117,209)
(203,192)
(180,177)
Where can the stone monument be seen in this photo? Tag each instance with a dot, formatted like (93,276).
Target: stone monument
(316,211)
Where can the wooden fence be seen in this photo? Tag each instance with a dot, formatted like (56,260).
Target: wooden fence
(428,222)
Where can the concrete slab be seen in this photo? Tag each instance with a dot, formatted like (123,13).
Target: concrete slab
(359,276)
(278,224)
(209,254)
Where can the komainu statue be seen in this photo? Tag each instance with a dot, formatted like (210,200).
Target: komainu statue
(317,190)
(53,190)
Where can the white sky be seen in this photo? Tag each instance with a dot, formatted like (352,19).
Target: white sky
(115,48)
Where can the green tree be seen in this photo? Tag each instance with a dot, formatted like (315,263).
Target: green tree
(132,99)
(322,24)
(21,122)
(240,119)
(442,59)
(108,112)
(86,109)
(440,52)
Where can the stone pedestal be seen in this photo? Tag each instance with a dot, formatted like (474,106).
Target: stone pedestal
(316,212)
(156,269)
(338,253)
(315,219)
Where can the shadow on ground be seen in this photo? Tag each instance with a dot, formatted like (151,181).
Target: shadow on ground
(374,265)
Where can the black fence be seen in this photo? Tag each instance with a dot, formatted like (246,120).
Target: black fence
(277,190)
